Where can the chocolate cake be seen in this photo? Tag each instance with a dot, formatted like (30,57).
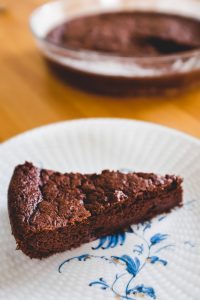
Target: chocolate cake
(135,34)
(52,212)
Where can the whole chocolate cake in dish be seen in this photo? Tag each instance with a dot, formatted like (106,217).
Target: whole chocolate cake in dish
(52,212)
(147,52)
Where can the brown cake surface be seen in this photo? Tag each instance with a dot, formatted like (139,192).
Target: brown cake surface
(136,34)
(52,212)
(133,34)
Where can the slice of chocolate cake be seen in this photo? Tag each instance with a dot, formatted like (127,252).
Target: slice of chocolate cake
(52,212)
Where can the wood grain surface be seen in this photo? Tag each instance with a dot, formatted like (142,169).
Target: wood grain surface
(31,96)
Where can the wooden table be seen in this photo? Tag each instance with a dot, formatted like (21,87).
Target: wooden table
(31,96)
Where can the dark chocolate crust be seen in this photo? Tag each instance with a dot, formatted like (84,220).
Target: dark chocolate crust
(52,212)
(134,34)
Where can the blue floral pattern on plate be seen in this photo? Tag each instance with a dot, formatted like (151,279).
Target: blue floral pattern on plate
(146,252)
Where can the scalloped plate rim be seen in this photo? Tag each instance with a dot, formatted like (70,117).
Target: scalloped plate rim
(40,129)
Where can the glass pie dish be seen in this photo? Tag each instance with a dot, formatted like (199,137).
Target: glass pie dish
(111,74)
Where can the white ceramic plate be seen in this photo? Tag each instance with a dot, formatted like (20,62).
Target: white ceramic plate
(156,260)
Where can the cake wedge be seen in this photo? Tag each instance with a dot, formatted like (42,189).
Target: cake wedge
(52,212)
